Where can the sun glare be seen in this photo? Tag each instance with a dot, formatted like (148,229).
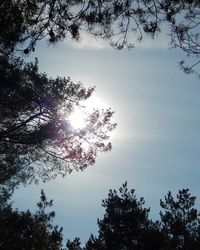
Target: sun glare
(78,116)
(77,119)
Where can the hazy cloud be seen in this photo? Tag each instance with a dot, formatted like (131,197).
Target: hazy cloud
(89,42)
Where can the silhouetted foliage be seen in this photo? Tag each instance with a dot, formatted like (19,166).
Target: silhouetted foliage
(125,225)
(26,230)
(181,221)
(24,22)
(74,245)
(36,137)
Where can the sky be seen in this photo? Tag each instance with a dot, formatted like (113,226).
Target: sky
(155,145)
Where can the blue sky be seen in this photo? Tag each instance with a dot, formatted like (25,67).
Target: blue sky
(157,141)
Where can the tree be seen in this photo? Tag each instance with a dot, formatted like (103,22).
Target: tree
(125,224)
(181,221)
(74,245)
(25,230)
(36,137)
(25,22)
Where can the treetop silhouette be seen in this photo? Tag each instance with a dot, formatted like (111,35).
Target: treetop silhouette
(125,225)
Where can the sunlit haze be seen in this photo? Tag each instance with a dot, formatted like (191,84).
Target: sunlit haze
(79,114)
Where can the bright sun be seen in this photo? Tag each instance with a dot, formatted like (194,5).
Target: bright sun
(78,116)
(77,119)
